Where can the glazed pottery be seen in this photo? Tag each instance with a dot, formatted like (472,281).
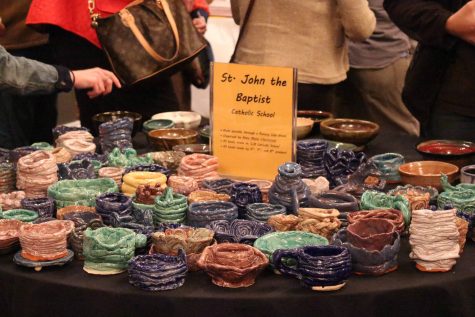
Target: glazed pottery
(418,198)
(182,119)
(12,200)
(239,230)
(103,117)
(38,265)
(76,142)
(92,156)
(205,134)
(81,192)
(283,222)
(19,152)
(262,211)
(4,155)
(182,184)
(342,202)
(7,177)
(264,186)
(127,157)
(108,250)
(232,265)
(271,242)
(43,206)
(82,220)
(206,195)
(61,155)
(131,181)
(199,166)
(434,240)
(140,220)
(371,234)
(359,132)
(323,222)
(45,241)
(317,186)
(112,172)
(340,164)
(310,155)
(146,194)
(456,152)
(321,268)
(158,272)
(317,116)
(221,185)
(62,212)
(20,214)
(462,227)
(170,207)
(467,174)
(376,200)
(192,148)
(157,124)
(62,129)
(366,177)
(388,164)
(116,134)
(76,170)
(288,188)
(392,215)
(419,190)
(108,203)
(148,168)
(427,173)
(9,233)
(243,194)
(367,262)
(304,127)
(166,139)
(35,173)
(200,214)
(168,159)
(45,146)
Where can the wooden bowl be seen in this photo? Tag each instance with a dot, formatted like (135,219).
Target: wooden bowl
(100,118)
(304,127)
(358,132)
(427,173)
(166,139)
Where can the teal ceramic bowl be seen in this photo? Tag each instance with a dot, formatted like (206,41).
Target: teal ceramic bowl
(157,124)
(287,240)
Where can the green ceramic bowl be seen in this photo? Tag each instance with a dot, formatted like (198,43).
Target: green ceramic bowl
(20,214)
(287,240)
(157,124)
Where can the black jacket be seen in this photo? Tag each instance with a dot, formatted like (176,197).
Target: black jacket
(443,69)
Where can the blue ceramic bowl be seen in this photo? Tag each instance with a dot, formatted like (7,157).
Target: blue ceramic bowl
(157,124)
(262,211)
(238,230)
(200,214)
(221,186)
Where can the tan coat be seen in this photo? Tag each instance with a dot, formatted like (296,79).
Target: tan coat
(309,35)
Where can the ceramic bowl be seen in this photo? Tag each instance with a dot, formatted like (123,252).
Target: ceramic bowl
(157,124)
(100,118)
(456,152)
(358,132)
(372,234)
(191,240)
(200,214)
(205,133)
(239,230)
(304,127)
(166,139)
(427,173)
(393,215)
(193,148)
(467,174)
(316,115)
(182,119)
(9,233)
(232,265)
(388,164)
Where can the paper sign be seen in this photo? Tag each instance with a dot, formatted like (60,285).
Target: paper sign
(252,119)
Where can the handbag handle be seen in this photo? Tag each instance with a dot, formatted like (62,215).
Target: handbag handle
(129,21)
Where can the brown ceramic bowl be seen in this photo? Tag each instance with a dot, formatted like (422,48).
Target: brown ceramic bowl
(316,115)
(166,139)
(358,132)
(427,173)
(100,118)
(372,234)
(304,127)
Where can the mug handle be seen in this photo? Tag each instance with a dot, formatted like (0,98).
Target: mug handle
(277,257)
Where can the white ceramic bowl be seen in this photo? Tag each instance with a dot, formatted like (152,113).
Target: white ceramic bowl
(182,119)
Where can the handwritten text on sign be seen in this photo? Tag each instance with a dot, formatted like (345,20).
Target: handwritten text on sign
(253,110)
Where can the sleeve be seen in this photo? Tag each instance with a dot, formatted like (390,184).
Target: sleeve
(424,21)
(23,76)
(357,19)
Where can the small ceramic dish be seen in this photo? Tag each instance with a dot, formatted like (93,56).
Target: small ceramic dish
(100,118)
(316,115)
(182,119)
(166,139)
(157,124)
(456,152)
(193,148)
(427,173)
(358,132)
(304,127)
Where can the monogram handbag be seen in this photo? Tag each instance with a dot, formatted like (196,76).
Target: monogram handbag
(147,39)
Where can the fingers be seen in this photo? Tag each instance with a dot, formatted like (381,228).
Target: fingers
(98,80)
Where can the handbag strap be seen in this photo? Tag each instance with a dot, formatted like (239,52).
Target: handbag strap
(243,27)
(129,21)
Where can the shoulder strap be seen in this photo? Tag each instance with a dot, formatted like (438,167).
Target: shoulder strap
(243,26)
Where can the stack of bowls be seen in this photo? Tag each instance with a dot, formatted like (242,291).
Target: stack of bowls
(113,203)
(310,155)
(116,134)
(170,208)
(7,177)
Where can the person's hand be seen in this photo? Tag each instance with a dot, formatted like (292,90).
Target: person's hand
(462,23)
(99,80)
(200,24)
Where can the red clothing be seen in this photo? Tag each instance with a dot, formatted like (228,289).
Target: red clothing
(73,15)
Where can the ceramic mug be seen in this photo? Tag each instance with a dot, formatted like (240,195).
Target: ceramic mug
(323,268)
(467,174)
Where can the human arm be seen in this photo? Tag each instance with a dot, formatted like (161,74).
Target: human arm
(357,19)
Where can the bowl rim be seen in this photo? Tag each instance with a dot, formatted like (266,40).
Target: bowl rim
(160,115)
(193,133)
(306,113)
(455,169)
(136,116)
(427,142)
(326,124)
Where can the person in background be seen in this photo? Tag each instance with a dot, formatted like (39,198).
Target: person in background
(308,35)
(378,69)
(440,86)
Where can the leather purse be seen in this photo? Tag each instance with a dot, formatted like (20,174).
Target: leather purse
(147,39)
